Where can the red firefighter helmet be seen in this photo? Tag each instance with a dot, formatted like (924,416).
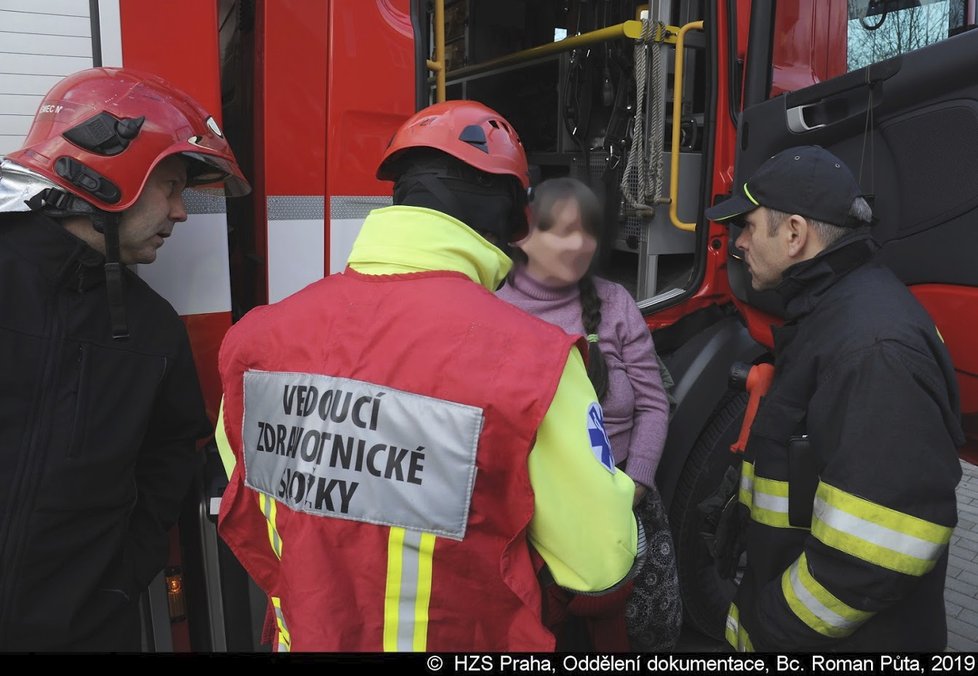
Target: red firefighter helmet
(466,130)
(100,132)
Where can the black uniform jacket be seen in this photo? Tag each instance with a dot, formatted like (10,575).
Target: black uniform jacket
(860,427)
(97,439)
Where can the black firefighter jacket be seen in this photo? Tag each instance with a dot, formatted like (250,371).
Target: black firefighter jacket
(97,441)
(859,429)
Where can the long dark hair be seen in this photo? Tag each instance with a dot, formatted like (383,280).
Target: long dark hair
(545,199)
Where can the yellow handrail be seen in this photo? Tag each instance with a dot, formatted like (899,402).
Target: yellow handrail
(627,29)
(677,109)
(438,64)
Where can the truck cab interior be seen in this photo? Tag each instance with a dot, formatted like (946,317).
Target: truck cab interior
(569,76)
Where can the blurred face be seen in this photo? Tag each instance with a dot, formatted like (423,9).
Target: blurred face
(766,255)
(145,225)
(561,255)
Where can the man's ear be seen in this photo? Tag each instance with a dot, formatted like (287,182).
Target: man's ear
(797,234)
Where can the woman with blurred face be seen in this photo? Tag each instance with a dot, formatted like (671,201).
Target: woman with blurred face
(552,279)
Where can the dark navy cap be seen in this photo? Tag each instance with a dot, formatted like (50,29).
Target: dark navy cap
(805,180)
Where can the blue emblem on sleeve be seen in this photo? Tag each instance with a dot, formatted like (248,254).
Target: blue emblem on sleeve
(600,445)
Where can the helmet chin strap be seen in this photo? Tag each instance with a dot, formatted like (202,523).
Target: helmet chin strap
(108,224)
(59,204)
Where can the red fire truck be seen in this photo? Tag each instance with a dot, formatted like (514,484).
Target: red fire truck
(659,105)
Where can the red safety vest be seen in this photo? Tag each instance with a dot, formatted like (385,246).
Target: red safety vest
(348,585)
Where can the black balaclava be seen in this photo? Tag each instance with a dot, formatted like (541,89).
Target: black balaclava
(489,204)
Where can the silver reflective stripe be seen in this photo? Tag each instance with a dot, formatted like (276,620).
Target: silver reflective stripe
(355,450)
(734,633)
(875,533)
(747,480)
(815,606)
(284,638)
(268,509)
(410,554)
(356,206)
(203,203)
(772,503)
(746,493)
(295,207)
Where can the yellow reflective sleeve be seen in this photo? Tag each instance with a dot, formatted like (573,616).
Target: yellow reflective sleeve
(223,445)
(583,525)
(735,634)
(815,605)
(767,499)
(876,533)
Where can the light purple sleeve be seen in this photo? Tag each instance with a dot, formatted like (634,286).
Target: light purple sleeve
(651,404)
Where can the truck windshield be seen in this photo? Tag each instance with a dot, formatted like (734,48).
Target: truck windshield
(881,29)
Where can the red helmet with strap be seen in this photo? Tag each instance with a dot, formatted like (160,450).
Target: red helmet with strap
(467,130)
(100,132)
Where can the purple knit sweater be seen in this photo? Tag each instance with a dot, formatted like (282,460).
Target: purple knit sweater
(636,411)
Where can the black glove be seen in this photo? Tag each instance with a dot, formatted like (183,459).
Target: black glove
(725,523)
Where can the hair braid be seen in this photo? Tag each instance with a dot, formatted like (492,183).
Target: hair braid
(597,368)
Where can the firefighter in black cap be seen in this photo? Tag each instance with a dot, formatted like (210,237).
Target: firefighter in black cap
(850,469)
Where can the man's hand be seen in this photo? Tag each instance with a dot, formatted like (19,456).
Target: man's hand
(724,524)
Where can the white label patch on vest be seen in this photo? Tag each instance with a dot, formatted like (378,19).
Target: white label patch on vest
(336,447)
(600,444)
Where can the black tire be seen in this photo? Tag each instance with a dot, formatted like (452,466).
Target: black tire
(706,596)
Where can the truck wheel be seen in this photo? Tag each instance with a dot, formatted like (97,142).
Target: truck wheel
(706,596)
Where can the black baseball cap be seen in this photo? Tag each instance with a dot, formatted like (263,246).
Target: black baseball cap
(805,180)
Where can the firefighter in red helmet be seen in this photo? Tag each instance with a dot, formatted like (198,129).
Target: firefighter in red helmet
(97,139)
(408,455)
(101,406)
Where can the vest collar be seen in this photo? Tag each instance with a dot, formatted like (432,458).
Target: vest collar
(400,239)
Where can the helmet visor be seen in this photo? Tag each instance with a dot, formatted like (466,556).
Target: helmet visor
(212,174)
